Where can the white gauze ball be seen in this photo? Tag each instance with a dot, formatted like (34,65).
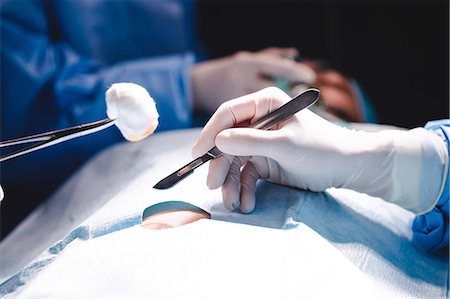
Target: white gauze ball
(133,109)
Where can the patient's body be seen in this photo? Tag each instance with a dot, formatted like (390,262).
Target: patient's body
(123,254)
(202,259)
(172,214)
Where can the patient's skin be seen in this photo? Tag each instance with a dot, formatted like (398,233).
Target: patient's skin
(171,219)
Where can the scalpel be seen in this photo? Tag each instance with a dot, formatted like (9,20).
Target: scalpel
(299,102)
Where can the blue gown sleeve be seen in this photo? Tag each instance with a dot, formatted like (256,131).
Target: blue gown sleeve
(431,230)
(47,84)
(48,79)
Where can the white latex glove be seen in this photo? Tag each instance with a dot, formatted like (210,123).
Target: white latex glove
(1,193)
(308,152)
(222,79)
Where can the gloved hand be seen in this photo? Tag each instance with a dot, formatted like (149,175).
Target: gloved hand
(1,193)
(308,152)
(215,81)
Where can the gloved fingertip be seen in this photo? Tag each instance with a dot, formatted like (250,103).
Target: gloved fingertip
(217,173)
(212,183)
(247,209)
(230,196)
(231,204)
(234,205)
(247,203)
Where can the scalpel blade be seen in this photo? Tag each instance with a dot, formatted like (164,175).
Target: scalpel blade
(183,172)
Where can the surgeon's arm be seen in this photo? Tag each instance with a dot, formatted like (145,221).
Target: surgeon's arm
(407,168)
(47,84)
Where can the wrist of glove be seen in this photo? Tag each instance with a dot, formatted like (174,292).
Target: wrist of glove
(407,168)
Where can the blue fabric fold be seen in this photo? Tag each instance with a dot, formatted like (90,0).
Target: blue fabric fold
(431,230)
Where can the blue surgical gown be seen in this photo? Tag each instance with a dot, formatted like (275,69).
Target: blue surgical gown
(59,57)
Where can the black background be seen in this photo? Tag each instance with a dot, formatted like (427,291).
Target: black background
(398,51)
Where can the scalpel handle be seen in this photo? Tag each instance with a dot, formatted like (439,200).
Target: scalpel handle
(301,101)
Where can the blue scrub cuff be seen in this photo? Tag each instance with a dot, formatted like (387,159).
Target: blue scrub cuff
(431,230)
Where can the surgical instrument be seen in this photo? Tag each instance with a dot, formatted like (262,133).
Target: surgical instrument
(53,137)
(301,101)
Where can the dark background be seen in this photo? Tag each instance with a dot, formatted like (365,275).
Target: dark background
(398,51)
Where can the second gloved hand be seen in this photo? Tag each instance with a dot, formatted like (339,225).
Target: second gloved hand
(308,152)
(217,80)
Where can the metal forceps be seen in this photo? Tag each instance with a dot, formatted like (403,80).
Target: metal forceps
(53,137)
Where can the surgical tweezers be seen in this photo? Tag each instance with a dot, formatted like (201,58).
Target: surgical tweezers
(53,137)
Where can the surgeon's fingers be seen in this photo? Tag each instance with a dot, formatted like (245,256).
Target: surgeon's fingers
(218,171)
(293,71)
(250,108)
(251,142)
(281,52)
(231,186)
(249,177)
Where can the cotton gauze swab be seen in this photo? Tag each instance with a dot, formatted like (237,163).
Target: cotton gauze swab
(133,109)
